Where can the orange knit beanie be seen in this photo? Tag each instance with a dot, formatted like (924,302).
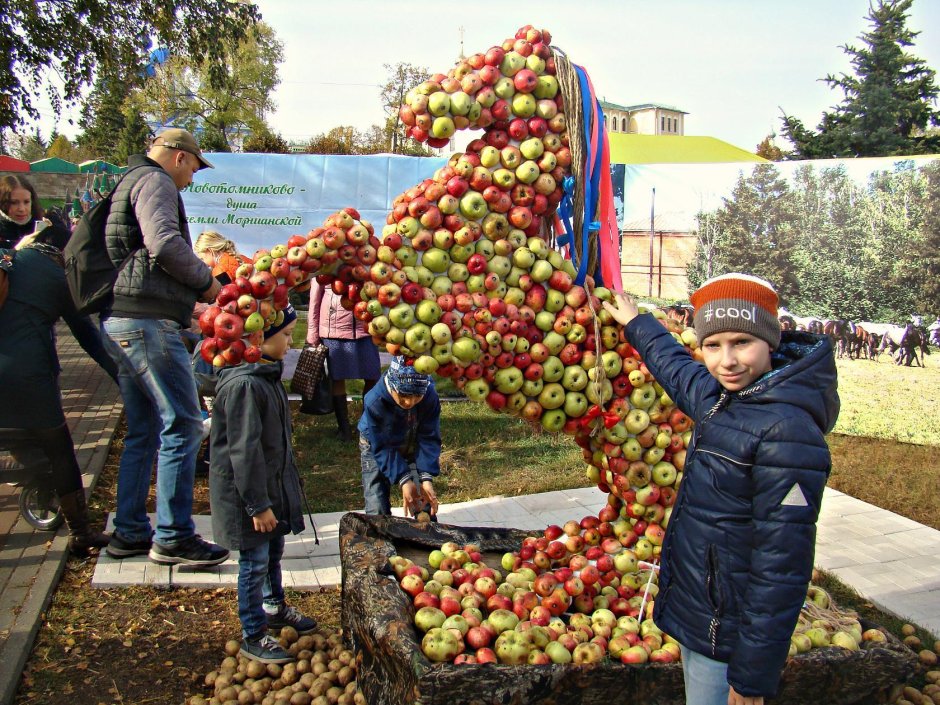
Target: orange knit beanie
(737,302)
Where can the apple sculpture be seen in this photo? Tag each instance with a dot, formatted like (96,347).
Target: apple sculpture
(463,281)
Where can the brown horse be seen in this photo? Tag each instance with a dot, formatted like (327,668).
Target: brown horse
(842,336)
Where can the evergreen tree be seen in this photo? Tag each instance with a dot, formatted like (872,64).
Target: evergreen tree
(104,117)
(756,230)
(888,102)
(134,137)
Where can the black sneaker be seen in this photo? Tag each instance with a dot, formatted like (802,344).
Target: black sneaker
(265,650)
(120,547)
(193,551)
(288,616)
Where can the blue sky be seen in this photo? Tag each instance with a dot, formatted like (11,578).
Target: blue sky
(731,64)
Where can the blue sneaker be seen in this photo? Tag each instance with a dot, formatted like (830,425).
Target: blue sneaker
(287,616)
(265,650)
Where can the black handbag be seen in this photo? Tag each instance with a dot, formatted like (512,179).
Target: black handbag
(312,381)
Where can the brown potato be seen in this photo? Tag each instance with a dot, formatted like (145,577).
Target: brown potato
(232,647)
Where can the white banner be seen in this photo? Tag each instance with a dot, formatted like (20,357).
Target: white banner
(260,200)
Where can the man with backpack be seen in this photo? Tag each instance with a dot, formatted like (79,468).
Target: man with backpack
(159,279)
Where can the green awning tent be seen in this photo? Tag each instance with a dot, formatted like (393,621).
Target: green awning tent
(99,166)
(54,165)
(674,149)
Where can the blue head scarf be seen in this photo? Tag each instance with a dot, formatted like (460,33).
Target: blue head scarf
(403,379)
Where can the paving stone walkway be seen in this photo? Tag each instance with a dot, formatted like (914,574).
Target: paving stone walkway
(891,560)
(32,561)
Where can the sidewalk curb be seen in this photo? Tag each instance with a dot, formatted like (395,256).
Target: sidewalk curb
(19,645)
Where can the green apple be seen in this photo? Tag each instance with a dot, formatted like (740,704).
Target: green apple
(532,148)
(436,260)
(439,103)
(508,380)
(442,285)
(575,405)
(407,256)
(428,312)
(401,315)
(552,396)
(523,105)
(460,103)
(418,338)
(441,333)
(500,265)
(467,350)
(476,389)
(443,127)
(554,342)
(554,420)
(379,326)
(457,272)
(574,378)
(544,320)
(424,364)
(541,270)
(523,258)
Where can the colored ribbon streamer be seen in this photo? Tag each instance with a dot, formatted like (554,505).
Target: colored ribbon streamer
(600,214)
(610,418)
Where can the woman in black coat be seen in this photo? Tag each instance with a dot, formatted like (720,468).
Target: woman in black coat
(20,211)
(37,296)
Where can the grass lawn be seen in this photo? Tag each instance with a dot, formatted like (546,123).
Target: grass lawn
(148,646)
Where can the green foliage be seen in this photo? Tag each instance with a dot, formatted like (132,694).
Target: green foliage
(927,249)
(888,102)
(76,42)
(266,142)
(401,78)
(110,125)
(186,92)
(133,137)
(30,148)
(832,248)
(754,232)
(339,140)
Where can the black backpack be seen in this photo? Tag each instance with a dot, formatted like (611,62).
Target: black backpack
(88,268)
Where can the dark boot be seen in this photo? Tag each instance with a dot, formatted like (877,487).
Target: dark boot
(81,535)
(342,417)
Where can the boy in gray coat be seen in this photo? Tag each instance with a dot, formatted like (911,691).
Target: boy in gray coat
(254,490)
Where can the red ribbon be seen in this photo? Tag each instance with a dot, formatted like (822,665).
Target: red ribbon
(611,418)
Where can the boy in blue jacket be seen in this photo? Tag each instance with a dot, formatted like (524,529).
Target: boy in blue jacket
(400,441)
(254,490)
(738,552)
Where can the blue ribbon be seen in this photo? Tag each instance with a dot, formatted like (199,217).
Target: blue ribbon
(565,209)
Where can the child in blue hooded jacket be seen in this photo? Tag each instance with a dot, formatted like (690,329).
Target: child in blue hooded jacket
(400,441)
(738,552)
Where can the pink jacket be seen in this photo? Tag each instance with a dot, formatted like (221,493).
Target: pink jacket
(327,318)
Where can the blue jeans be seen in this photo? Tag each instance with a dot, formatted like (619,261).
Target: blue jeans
(259,584)
(376,488)
(163,424)
(706,680)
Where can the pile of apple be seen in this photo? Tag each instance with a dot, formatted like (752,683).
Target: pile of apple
(233,326)
(469,613)
(511,85)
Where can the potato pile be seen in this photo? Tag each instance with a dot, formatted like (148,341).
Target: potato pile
(323,674)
